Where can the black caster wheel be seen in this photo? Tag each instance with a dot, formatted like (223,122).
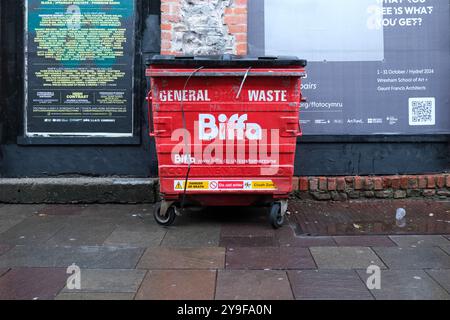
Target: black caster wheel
(166,220)
(276,218)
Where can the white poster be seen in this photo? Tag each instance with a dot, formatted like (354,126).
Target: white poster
(325,30)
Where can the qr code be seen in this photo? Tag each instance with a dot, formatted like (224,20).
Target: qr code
(422,112)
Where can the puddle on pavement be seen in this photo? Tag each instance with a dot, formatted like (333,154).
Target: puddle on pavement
(370,218)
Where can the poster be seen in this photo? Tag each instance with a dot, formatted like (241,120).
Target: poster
(79,68)
(374,66)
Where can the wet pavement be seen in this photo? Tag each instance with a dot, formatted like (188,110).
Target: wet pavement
(322,252)
(371,217)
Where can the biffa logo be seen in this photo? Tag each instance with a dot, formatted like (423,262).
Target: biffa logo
(228,129)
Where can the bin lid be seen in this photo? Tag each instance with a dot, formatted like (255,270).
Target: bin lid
(227,60)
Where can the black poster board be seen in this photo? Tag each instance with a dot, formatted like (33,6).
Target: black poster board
(79,71)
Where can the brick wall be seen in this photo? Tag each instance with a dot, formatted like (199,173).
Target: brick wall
(379,187)
(202,27)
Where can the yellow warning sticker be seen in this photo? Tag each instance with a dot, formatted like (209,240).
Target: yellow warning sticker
(263,185)
(179,185)
(192,185)
(225,185)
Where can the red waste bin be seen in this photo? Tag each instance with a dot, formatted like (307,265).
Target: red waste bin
(226,129)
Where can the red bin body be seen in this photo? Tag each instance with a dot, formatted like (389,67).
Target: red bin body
(226,129)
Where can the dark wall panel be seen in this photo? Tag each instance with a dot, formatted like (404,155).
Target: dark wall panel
(11,60)
(377,158)
(42,161)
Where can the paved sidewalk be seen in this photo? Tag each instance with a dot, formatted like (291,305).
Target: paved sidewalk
(209,254)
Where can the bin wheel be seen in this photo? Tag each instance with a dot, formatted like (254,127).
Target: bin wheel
(276,217)
(168,219)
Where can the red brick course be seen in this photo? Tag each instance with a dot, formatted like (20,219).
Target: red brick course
(314,184)
(303,184)
(358,183)
(323,183)
(295,183)
(440,181)
(395,182)
(368,184)
(413,182)
(341,184)
(404,182)
(382,187)
(387,183)
(378,183)
(332,184)
(422,182)
(431,182)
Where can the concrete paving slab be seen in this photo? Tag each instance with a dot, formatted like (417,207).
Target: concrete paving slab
(34,230)
(236,242)
(286,237)
(141,236)
(182,258)
(328,285)
(420,240)
(130,219)
(8,223)
(20,210)
(345,257)
(178,285)
(11,215)
(198,217)
(92,296)
(442,277)
(364,241)
(192,236)
(3,271)
(306,242)
(407,285)
(32,283)
(109,281)
(446,249)
(118,211)
(82,232)
(253,285)
(247,230)
(5,225)
(84,257)
(269,258)
(4,248)
(414,258)
(62,210)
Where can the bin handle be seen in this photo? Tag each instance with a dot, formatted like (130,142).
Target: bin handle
(300,130)
(150,114)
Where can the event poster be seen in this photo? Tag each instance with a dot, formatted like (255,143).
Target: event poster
(374,66)
(79,68)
